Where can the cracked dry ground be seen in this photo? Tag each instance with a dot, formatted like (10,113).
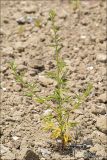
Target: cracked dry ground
(84,40)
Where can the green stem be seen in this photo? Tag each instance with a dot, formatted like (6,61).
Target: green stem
(60,114)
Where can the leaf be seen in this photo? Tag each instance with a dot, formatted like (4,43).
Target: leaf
(72,124)
(88,90)
(61,64)
(13,65)
(66,138)
(52,14)
(28,94)
(48,126)
(51,74)
(81,98)
(56,133)
(40,100)
(59,47)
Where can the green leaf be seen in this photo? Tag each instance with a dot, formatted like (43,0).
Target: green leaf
(51,74)
(88,90)
(61,64)
(28,94)
(81,98)
(40,100)
(72,124)
(52,14)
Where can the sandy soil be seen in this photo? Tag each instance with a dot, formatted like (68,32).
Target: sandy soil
(84,39)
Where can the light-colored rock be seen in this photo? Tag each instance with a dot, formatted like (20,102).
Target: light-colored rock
(63,14)
(37,64)
(15,138)
(8,50)
(103,98)
(36,117)
(98,149)
(19,47)
(22,152)
(2,32)
(30,9)
(99,109)
(102,58)
(4,149)
(9,155)
(101,137)
(21,20)
(47,112)
(21,67)
(4,89)
(45,81)
(79,112)
(101,123)
(79,154)
(90,68)
(45,152)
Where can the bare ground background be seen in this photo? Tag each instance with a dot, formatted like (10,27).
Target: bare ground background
(84,39)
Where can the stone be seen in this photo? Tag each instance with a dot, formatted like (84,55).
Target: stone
(31,155)
(29,19)
(90,68)
(88,141)
(98,109)
(3,149)
(103,98)
(33,72)
(21,20)
(36,117)
(9,155)
(79,154)
(24,20)
(19,47)
(45,152)
(45,81)
(30,9)
(102,58)
(36,64)
(23,152)
(98,149)
(79,112)
(8,50)
(63,14)
(21,67)
(101,137)
(101,124)
(88,155)
(47,112)
(15,138)
(2,32)
(4,89)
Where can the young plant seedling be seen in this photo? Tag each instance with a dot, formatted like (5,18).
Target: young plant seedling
(30,87)
(57,119)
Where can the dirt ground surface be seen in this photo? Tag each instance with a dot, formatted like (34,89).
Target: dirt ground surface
(84,39)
